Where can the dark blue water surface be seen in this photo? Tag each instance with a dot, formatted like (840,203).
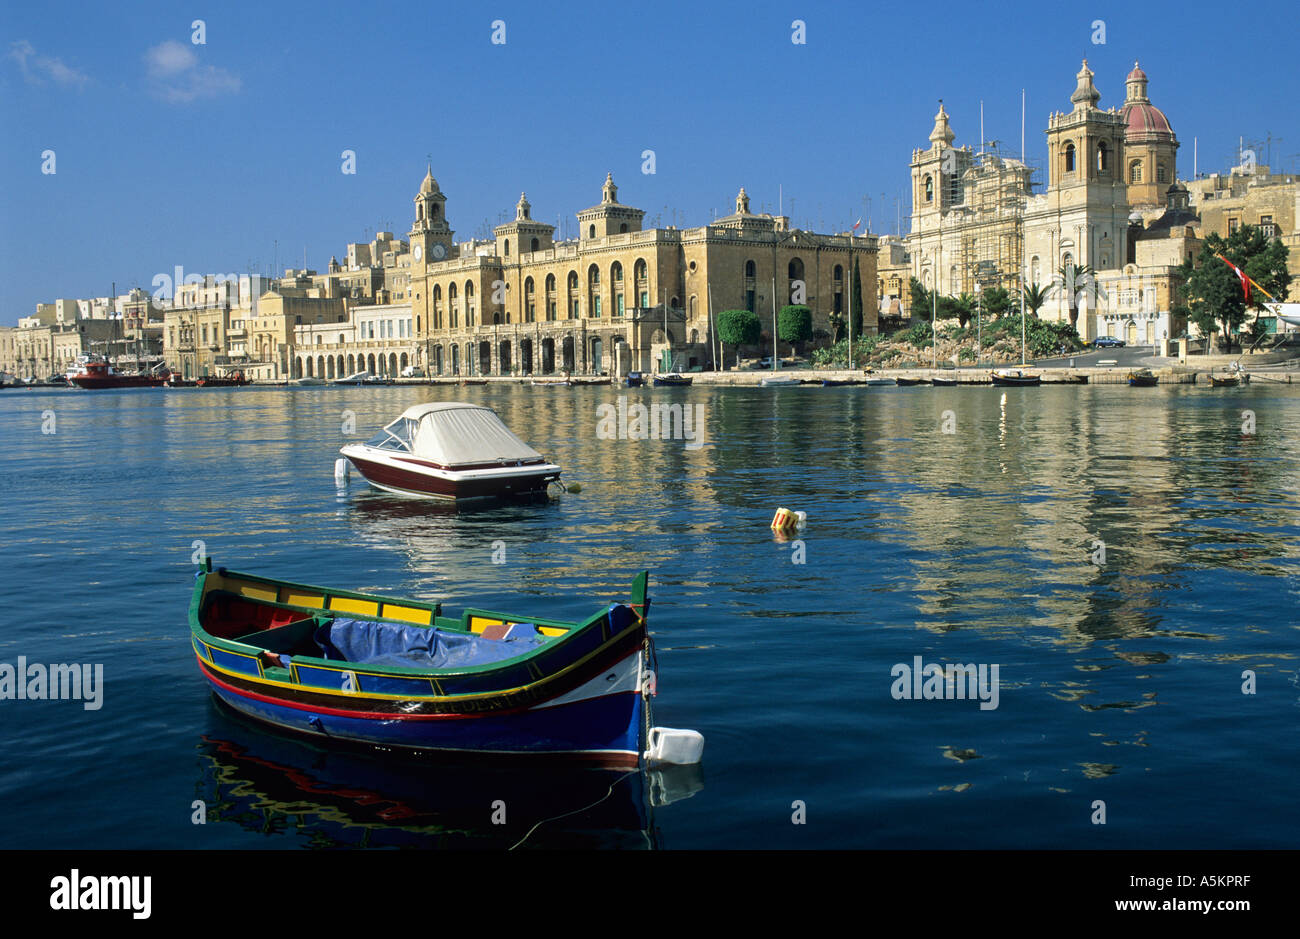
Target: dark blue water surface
(1121,683)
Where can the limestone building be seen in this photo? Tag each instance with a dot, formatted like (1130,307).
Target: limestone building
(525,303)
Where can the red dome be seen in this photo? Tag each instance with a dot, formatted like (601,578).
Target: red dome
(1143,119)
(1137,74)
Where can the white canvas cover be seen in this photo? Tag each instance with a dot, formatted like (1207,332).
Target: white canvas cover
(461,434)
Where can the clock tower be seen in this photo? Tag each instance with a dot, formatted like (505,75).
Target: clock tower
(431,243)
(431,237)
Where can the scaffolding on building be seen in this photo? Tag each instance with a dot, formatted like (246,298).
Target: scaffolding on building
(997,188)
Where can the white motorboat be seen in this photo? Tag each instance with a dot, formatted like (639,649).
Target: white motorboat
(451,450)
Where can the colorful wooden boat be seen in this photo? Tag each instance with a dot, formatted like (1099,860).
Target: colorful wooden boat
(672,380)
(1142,378)
(398,674)
(634,380)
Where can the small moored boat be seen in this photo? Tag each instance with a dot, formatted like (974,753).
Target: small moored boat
(944,382)
(233,380)
(634,380)
(1142,378)
(778,381)
(1015,377)
(912,382)
(398,674)
(672,380)
(451,450)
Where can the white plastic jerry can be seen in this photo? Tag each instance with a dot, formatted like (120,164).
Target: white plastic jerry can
(670,745)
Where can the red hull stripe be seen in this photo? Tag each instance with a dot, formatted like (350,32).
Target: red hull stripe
(363,715)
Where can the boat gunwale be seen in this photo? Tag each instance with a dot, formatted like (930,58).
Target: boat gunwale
(234,646)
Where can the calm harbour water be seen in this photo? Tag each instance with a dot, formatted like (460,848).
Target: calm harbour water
(1120,682)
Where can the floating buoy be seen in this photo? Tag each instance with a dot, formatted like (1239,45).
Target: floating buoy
(341,472)
(785,520)
(574,487)
(673,746)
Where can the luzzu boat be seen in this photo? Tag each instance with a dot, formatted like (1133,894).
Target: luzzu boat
(397,674)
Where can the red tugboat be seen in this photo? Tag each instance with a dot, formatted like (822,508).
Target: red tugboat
(96,373)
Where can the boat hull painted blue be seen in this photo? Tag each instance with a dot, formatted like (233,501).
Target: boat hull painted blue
(606,725)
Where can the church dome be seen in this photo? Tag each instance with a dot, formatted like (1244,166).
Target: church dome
(1143,121)
(430,185)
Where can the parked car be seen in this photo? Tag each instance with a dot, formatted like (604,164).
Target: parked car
(1108,342)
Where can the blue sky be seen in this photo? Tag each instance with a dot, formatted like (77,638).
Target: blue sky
(169,153)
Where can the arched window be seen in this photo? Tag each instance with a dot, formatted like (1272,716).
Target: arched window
(1035,270)
(591,231)
(1135,171)
(1103,158)
(534,245)
(507,244)
(469,303)
(1069,158)
(453,307)
(550,296)
(530,309)
(749,268)
(574,300)
(795,269)
(929,189)
(622,229)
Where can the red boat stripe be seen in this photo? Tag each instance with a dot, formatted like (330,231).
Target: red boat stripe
(365,715)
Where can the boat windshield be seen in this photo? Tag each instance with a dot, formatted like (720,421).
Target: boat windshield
(396,436)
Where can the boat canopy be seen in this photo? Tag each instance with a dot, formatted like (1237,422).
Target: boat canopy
(454,434)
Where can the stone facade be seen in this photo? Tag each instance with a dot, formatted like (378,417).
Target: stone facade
(526,304)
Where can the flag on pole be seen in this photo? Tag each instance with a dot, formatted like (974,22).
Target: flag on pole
(1241,276)
(856,224)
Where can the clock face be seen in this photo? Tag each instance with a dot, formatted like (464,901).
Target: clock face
(417,252)
(439,251)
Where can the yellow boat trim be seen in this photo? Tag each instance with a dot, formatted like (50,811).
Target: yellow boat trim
(313,600)
(408,614)
(403,697)
(479,623)
(255,592)
(349,605)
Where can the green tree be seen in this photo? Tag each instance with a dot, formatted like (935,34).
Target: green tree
(794,324)
(739,328)
(920,299)
(1036,296)
(995,302)
(963,307)
(1213,293)
(856,296)
(1077,282)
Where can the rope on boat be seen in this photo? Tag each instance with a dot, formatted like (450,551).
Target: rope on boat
(609,792)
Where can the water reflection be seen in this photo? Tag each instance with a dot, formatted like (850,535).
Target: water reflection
(278,785)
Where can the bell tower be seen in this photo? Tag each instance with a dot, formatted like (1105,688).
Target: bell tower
(431,236)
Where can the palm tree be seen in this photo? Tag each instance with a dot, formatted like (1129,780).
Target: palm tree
(1076,280)
(964,304)
(1036,296)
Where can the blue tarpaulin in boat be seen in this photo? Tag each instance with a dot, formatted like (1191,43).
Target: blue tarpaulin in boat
(389,644)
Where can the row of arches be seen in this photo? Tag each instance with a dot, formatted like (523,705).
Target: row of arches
(547,356)
(341,366)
